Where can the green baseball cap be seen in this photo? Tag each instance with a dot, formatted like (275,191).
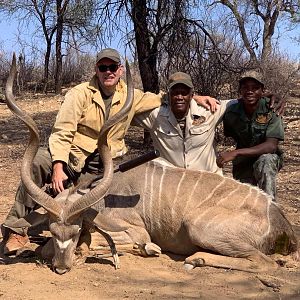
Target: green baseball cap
(109,53)
(180,77)
(252,74)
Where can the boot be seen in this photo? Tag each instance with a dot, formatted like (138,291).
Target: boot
(15,242)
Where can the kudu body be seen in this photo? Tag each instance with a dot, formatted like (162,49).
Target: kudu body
(65,215)
(189,212)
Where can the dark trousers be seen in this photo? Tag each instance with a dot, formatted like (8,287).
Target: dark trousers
(41,175)
(261,172)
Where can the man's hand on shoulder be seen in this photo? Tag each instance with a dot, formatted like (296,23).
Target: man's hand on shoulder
(277,103)
(207,102)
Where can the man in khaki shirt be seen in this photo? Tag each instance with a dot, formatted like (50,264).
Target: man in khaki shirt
(84,111)
(182,131)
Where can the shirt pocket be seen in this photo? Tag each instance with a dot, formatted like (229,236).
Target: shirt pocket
(242,134)
(167,131)
(200,135)
(259,133)
(92,118)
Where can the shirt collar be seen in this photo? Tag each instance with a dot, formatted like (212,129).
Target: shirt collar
(117,96)
(195,109)
(238,108)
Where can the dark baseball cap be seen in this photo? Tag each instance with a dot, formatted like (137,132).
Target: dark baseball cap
(180,77)
(252,74)
(109,53)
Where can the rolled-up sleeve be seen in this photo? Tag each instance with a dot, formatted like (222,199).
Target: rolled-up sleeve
(275,128)
(144,120)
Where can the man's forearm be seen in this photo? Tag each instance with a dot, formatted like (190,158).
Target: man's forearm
(266,147)
(57,165)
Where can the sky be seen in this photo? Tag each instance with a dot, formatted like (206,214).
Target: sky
(9,30)
(288,44)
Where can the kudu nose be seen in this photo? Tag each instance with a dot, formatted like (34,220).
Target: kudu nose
(61,271)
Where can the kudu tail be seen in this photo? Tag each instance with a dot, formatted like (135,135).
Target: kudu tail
(281,238)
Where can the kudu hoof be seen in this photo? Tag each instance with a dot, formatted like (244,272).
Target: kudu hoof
(148,249)
(188,267)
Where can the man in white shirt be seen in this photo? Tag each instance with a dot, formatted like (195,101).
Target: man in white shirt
(183,131)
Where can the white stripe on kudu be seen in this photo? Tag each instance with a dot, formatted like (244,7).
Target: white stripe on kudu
(209,196)
(174,212)
(191,197)
(145,194)
(160,200)
(152,194)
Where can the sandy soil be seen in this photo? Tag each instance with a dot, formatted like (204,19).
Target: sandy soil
(138,278)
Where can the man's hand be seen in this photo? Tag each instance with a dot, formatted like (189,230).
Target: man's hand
(225,157)
(207,102)
(277,103)
(58,177)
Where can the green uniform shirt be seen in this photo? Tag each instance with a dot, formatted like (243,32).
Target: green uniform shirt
(248,133)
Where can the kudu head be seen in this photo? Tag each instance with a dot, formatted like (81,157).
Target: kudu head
(65,214)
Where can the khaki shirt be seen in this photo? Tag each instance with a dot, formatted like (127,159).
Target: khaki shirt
(78,123)
(197,150)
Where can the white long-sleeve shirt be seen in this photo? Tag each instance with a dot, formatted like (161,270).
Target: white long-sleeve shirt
(194,151)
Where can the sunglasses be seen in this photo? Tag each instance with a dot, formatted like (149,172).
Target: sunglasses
(111,68)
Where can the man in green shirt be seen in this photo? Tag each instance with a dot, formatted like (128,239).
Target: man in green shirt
(257,131)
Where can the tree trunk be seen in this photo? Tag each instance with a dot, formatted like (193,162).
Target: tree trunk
(269,27)
(146,52)
(59,33)
(58,69)
(46,69)
(241,24)
(146,49)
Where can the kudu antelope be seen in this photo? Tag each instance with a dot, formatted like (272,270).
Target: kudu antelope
(66,217)
(189,212)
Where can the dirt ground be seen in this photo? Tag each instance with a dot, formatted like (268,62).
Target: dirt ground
(139,278)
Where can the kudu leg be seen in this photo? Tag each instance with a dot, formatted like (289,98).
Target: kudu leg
(112,247)
(83,246)
(256,263)
(134,240)
(225,238)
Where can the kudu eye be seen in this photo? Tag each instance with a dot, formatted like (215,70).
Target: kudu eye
(53,229)
(76,229)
